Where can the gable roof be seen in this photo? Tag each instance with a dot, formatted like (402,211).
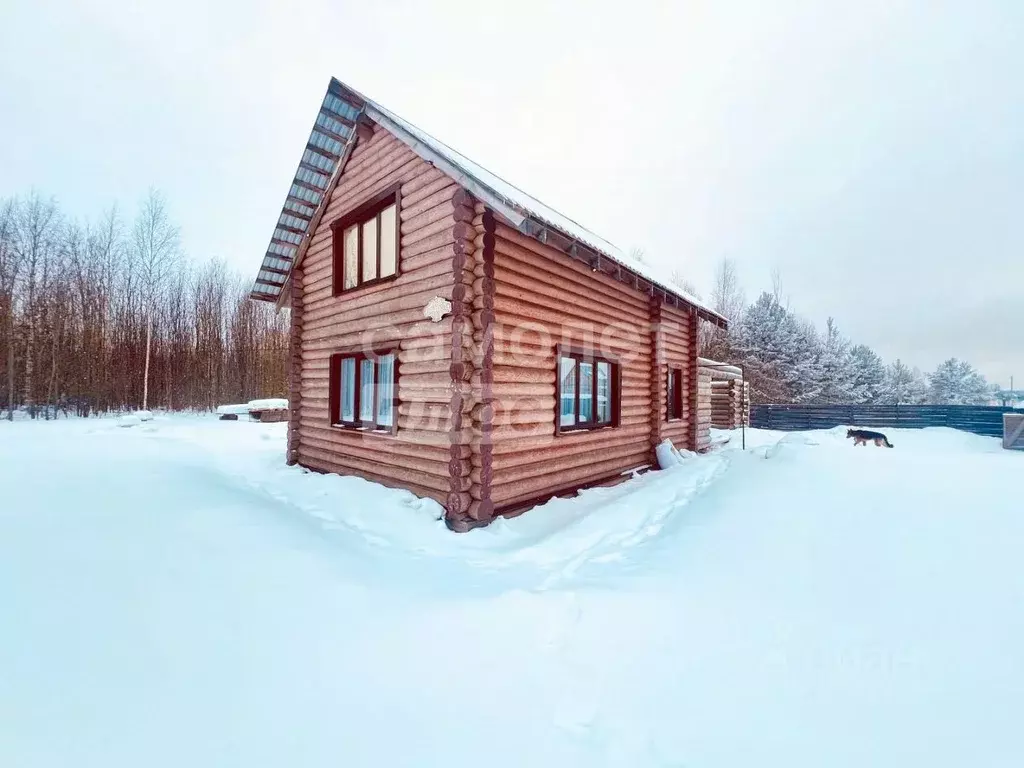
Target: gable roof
(334,135)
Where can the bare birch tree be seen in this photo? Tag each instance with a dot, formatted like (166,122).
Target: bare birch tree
(156,253)
(677,279)
(728,300)
(34,243)
(8,281)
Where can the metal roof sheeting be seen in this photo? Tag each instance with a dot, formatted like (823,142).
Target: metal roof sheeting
(332,133)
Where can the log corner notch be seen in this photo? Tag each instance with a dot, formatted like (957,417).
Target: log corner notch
(294,367)
(467,510)
(658,376)
(693,382)
(700,393)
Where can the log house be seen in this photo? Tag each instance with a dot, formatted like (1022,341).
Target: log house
(453,336)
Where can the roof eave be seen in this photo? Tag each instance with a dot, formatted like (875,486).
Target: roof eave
(597,260)
(300,254)
(332,132)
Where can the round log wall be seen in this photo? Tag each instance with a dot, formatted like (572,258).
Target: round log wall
(541,299)
(429,454)
(728,395)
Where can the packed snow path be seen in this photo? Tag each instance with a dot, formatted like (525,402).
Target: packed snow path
(171,595)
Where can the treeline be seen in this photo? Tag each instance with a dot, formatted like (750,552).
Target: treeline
(787,360)
(109,315)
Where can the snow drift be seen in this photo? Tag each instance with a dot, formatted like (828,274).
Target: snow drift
(181,597)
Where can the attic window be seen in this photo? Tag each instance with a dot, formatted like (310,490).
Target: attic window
(366,243)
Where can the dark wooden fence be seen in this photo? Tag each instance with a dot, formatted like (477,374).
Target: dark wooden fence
(979,419)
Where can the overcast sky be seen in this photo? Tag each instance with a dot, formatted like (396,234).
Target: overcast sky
(872,152)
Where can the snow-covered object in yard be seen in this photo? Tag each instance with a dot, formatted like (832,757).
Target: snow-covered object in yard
(670,456)
(266,404)
(236,408)
(129,420)
(825,607)
(144,415)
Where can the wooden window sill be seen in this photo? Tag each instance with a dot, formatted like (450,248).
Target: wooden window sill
(383,432)
(567,431)
(355,289)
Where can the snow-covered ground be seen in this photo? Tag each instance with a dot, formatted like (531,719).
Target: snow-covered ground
(172,595)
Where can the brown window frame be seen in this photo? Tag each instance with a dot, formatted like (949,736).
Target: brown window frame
(583,355)
(674,395)
(335,386)
(358,216)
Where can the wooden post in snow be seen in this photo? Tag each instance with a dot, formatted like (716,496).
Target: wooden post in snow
(1013,431)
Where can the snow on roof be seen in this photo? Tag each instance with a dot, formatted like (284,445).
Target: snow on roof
(512,202)
(722,367)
